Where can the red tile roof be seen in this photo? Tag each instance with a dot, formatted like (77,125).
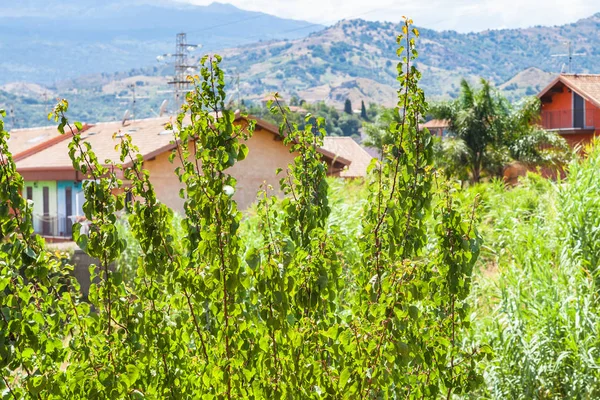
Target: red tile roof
(348,148)
(149,135)
(22,140)
(436,123)
(41,142)
(586,85)
(144,133)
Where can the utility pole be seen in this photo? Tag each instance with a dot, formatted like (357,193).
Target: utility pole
(180,82)
(237,87)
(569,54)
(233,76)
(132,87)
(46,102)
(12,117)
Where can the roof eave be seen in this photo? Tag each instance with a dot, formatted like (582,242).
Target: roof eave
(47,144)
(550,86)
(275,129)
(566,82)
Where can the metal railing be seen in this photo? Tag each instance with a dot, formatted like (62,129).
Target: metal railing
(53,225)
(568,119)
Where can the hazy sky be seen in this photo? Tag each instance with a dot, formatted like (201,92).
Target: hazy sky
(461,15)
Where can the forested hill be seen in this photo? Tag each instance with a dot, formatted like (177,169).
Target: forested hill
(44,41)
(353,59)
(341,60)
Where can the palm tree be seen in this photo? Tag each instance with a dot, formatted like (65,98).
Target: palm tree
(494,132)
(378,132)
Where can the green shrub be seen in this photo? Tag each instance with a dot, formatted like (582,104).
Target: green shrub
(292,318)
(538,298)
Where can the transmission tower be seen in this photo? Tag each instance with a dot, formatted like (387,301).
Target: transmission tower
(179,82)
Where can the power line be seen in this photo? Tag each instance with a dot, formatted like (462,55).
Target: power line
(208,28)
(326,22)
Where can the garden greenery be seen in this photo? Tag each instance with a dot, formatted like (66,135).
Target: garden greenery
(205,315)
(537,299)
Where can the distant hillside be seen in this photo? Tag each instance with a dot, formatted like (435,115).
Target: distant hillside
(352,59)
(526,83)
(328,62)
(44,41)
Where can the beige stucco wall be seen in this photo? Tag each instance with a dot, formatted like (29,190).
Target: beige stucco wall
(265,155)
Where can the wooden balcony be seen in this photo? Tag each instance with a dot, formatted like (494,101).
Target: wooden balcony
(569,121)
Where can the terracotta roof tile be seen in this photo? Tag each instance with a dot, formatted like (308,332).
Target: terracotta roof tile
(146,134)
(436,123)
(586,85)
(347,148)
(25,139)
(149,135)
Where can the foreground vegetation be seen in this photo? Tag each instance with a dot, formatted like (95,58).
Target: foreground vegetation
(212,314)
(535,286)
(376,289)
(535,296)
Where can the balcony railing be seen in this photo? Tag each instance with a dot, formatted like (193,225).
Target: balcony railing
(53,225)
(569,119)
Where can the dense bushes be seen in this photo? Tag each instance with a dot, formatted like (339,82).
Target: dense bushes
(537,297)
(212,314)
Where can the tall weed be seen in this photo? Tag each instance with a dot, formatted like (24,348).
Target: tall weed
(538,308)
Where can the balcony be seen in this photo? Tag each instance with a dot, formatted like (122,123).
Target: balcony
(569,120)
(58,226)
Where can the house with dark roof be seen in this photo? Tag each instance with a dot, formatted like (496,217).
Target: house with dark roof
(571,106)
(54,186)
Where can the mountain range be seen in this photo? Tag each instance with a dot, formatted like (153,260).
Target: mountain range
(45,41)
(353,59)
(357,59)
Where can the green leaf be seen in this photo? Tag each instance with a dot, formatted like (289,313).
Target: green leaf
(133,373)
(30,253)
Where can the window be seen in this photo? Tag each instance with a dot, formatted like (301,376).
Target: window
(46,210)
(68,210)
(578,111)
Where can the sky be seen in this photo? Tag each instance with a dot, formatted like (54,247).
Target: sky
(459,15)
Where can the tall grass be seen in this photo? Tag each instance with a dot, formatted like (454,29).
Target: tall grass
(538,304)
(536,294)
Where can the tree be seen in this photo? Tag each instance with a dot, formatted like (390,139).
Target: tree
(378,133)
(212,313)
(363,111)
(496,132)
(348,106)
(349,124)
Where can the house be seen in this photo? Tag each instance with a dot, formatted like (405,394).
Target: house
(298,109)
(437,127)
(55,187)
(348,148)
(571,106)
(271,97)
(54,202)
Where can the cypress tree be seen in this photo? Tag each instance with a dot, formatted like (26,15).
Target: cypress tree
(363,111)
(348,107)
